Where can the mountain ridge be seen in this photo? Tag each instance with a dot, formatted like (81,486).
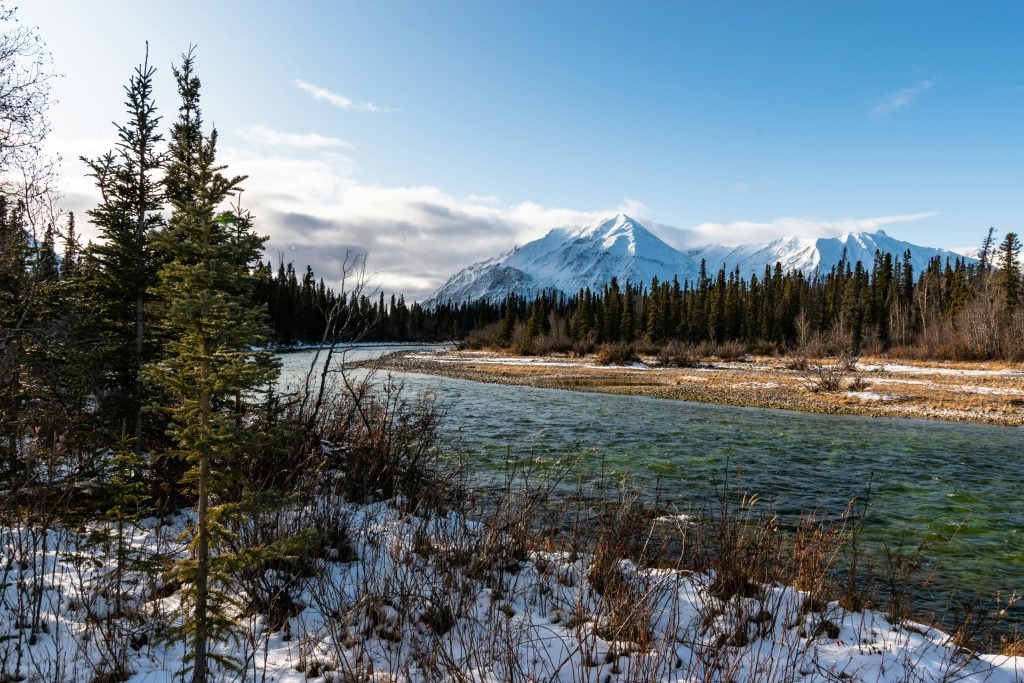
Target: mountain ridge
(568,259)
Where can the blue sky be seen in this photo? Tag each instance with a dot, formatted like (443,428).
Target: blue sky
(434,134)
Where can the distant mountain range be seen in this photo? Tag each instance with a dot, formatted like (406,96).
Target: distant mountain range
(572,258)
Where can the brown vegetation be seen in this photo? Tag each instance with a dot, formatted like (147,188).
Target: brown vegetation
(991,392)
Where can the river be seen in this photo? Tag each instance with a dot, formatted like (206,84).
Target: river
(957,487)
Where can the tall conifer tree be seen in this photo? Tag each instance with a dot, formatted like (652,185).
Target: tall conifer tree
(1010,272)
(209,371)
(131,191)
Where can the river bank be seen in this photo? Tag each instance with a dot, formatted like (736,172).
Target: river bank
(991,393)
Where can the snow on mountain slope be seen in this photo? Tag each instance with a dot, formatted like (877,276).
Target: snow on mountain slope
(571,258)
(815,254)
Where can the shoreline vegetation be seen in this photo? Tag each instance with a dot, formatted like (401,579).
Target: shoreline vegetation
(410,589)
(979,392)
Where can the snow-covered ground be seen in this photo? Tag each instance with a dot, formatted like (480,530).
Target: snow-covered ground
(933,369)
(869,395)
(425,597)
(490,359)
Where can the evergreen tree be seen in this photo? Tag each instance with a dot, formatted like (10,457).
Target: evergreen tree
(70,260)
(1009,271)
(46,259)
(626,321)
(985,254)
(210,371)
(125,265)
(14,301)
(508,321)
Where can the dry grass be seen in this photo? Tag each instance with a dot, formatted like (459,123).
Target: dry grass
(1013,647)
(991,392)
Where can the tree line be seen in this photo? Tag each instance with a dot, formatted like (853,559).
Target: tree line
(302,310)
(954,309)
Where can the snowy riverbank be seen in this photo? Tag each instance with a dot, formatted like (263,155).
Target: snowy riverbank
(417,596)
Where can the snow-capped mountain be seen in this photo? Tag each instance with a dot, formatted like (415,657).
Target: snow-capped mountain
(571,258)
(814,253)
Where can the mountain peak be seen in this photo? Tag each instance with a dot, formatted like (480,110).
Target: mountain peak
(619,222)
(571,258)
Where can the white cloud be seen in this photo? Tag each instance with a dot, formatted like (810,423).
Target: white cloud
(416,236)
(334,99)
(745,232)
(277,138)
(316,210)
(483,199)
(901,99)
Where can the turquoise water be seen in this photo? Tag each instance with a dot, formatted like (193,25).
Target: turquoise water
(955,486)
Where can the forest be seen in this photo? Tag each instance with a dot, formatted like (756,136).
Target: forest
(959,310)
(965,309)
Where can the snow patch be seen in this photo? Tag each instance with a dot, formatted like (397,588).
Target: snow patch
(869,396)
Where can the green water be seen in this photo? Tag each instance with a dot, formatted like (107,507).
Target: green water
(955,486)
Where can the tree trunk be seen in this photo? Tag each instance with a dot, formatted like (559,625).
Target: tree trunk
(140,295)
(199,672)
(202,574)
(139,324)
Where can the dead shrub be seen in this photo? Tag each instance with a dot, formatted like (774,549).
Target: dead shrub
(730,350)
(743,547)
(616,353)
(385,444)
(818,545)
(552,344)
(859,384)
(1012,646)
(584,345)
(903,567)
(675,354)
(623,532)
(798,363)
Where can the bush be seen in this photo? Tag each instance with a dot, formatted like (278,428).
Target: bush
(373,443)
(730,350)
(677,355)
(390,447)
(617,353)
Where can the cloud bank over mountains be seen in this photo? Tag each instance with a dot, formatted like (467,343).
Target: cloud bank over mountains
(317,209)
(740,232)
(307,194)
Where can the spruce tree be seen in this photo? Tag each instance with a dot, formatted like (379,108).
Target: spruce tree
(46,269)
(985,253)
(14,310)
(70,260)
(210,371)
(1009,271)
(127,178)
